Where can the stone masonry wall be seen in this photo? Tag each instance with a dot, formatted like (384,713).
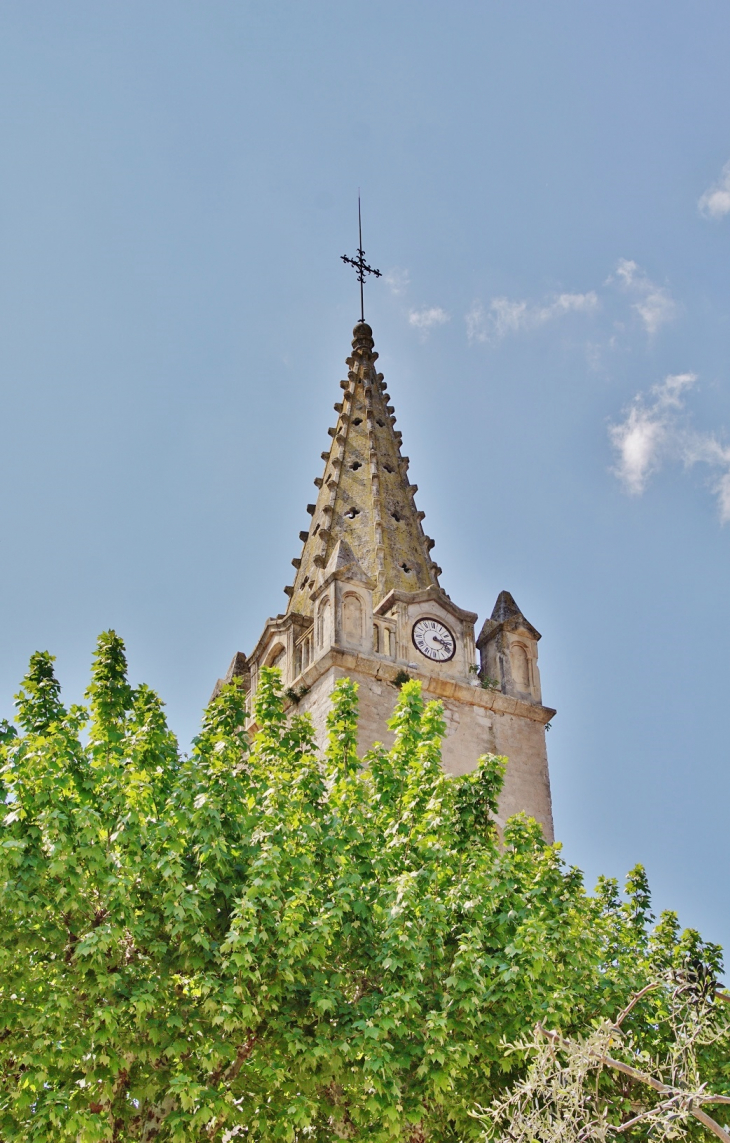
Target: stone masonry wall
(472,731)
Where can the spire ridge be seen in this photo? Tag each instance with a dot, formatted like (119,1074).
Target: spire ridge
(365,498)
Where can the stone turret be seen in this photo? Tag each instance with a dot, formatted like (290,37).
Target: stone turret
(508,646)
(366,603)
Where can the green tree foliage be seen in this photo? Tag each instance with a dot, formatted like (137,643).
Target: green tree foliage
(258,940)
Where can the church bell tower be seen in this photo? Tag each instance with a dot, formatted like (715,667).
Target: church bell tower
(366,603)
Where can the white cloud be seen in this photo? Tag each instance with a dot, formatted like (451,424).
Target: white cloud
(570,303)
(704,448)
(654,304)
(655,310)
(425,319)
(505,316)
(648,433)
(627,272)
(475,323)
(638,441)
(655,432)
(398,280)
(715,202)
(669,392)
(721,489)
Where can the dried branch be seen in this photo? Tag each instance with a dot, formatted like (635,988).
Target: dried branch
(558,1101)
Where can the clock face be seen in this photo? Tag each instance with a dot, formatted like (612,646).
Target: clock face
(434,640)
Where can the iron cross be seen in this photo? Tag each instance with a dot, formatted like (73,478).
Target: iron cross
(360,264)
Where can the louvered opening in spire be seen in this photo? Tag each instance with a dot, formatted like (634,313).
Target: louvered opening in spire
(365,497)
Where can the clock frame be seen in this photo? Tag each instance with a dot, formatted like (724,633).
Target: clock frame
(423,619)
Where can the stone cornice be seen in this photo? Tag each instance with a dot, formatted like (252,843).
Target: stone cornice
(425,595)
(434,686)
(279,624)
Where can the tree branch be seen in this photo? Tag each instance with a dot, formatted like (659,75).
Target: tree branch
(657,1085)
(232,1071)
(635,1000)
(711,1124)
(644,1114)
(241,1056)
(155,1117)
(229,1075)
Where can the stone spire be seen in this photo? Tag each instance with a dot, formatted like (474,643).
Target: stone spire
(365,498)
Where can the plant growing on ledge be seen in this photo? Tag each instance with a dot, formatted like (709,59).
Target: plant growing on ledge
(263,941)
(489,684)
(485,682)
(296,696)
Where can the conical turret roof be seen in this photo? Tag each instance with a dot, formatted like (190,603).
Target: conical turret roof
(365,498)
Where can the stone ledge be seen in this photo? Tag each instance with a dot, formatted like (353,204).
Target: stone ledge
(463,692)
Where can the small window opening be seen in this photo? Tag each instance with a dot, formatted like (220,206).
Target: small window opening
(355,465)
(388,468)
(305,581)
(396,517)
(352,512)
(405,567)
(314,533)
(357,420)
(380,422)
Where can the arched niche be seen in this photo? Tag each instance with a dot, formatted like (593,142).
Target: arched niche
(323,622)
(352,617)
(520,667)
(276,656)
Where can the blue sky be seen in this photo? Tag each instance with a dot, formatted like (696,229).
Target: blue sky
(545,188)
